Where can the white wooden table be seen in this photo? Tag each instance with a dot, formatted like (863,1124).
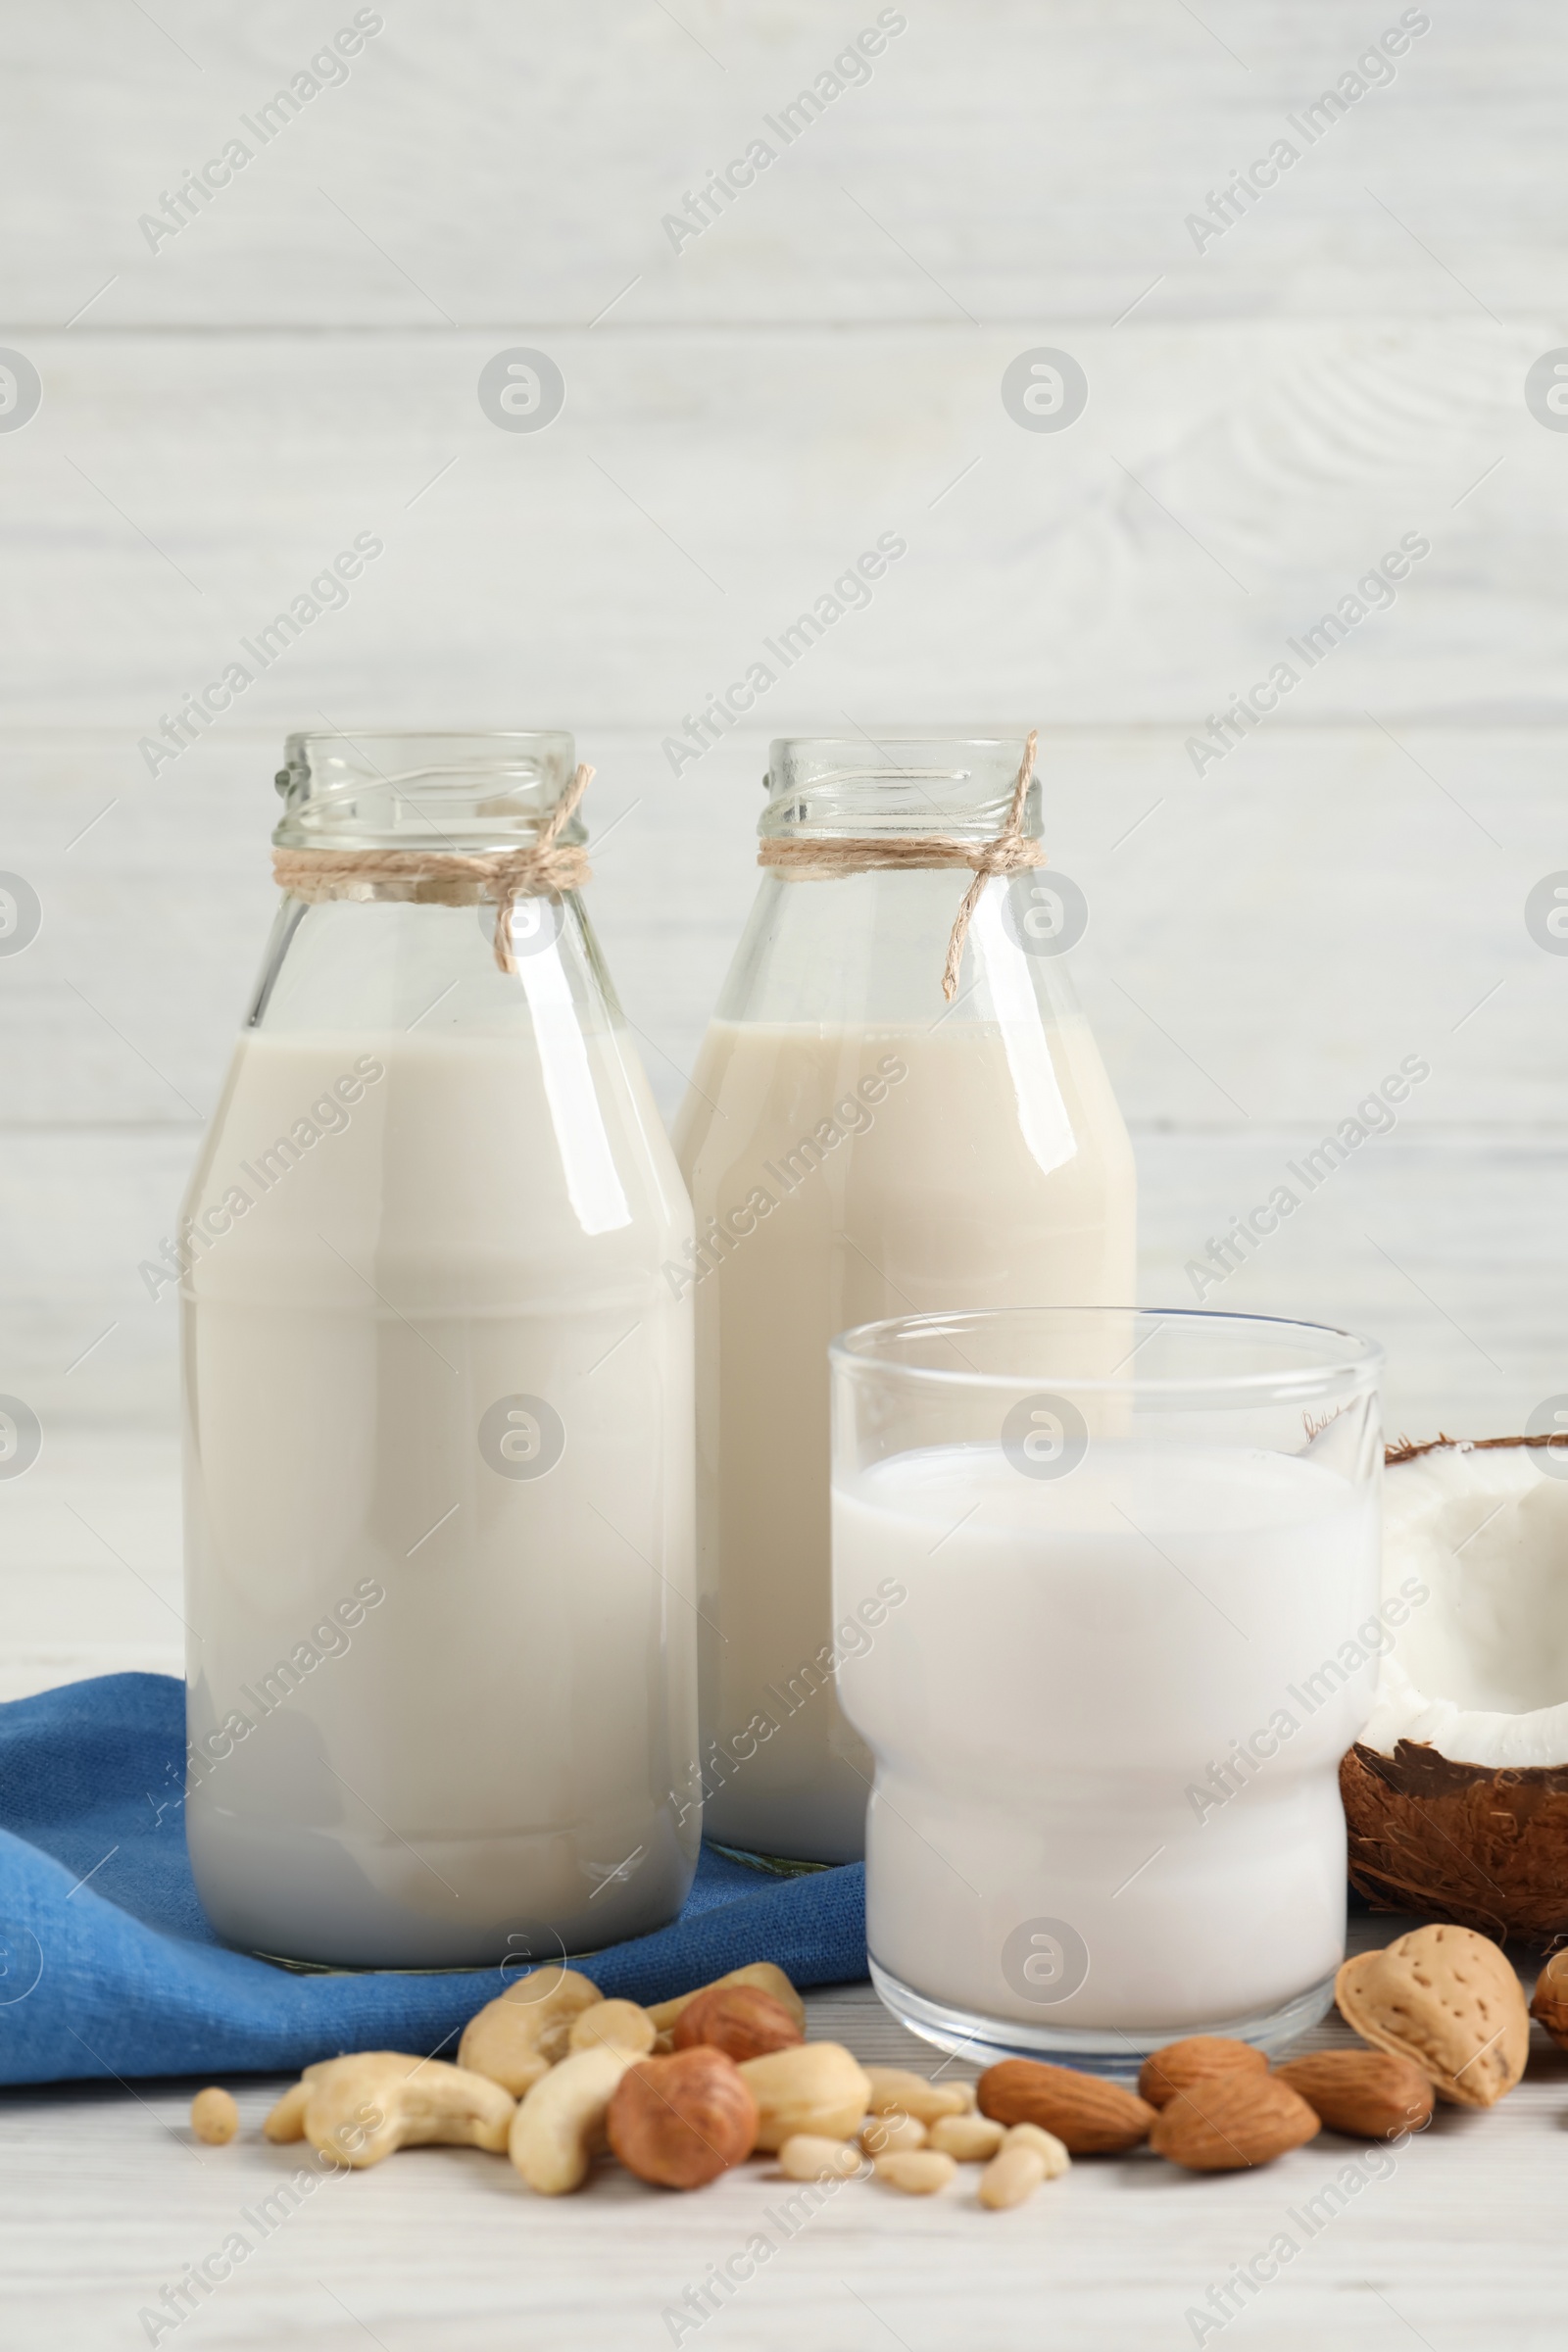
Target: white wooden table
(1454,2243)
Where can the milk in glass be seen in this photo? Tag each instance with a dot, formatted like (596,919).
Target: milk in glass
(1062,1835)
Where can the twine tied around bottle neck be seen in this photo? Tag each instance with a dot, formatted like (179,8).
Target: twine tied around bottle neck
(542,866)
(1009,852)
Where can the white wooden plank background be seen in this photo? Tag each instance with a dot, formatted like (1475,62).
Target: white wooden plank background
(1265,417)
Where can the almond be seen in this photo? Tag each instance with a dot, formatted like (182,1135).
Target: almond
(1368,2093)
(1090,2116)
(740,2020)
(1231,2121)
(1181,2064)
(1550,2001)
(1449,2000)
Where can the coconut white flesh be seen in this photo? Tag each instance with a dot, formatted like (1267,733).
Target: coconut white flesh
(1479,1668)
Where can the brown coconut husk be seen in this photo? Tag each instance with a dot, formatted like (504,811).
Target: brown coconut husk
(1486,1848)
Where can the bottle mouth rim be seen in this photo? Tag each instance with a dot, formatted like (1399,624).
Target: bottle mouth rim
(831,787)
(902,754)
(463,788)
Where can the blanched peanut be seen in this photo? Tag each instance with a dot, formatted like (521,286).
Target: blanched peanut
(214,2116)
(1027,2157)
(897,2091)
(1053,2150)
(919,2171)
(881,2132)
(612,2024)
(972,2138)
(807,2157)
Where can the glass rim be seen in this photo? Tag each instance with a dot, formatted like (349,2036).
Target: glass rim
(860,1349)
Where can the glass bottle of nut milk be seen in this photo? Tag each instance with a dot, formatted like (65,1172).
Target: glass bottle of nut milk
(438,1396)
(858,1143)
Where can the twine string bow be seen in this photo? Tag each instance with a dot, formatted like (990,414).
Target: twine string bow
(544,866)
(1008,852)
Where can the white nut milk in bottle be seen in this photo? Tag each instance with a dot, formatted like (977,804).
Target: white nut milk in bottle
(859,1145)
(439,1396)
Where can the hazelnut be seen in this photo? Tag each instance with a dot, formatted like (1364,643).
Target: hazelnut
(740,2020)
(681,2121)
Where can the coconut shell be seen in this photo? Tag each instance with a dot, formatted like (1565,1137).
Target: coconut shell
(1487,1848)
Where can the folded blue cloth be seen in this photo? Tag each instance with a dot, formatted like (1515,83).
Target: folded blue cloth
(108,1966)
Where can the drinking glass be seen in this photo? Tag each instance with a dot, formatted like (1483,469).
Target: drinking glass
(1107,1607)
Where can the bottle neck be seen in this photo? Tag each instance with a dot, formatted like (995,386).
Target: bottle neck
(868,949)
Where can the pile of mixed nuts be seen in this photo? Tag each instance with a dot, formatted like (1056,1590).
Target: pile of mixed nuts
(553,2075)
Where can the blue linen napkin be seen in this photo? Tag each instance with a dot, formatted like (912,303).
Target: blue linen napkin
(108,1966)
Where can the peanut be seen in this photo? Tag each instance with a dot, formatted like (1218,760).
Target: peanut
(880,2132)
(1027,2156)
(918,2172)
(897,2091)
(972,2138)
(214,2116)
(809,2157)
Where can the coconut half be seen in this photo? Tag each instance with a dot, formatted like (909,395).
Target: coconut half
(1456,1793)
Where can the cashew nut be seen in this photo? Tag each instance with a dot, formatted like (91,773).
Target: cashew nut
(559,2126)
(519,2037)
(612,2024)
(758,1972)
(287,2119)
(359,2109)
